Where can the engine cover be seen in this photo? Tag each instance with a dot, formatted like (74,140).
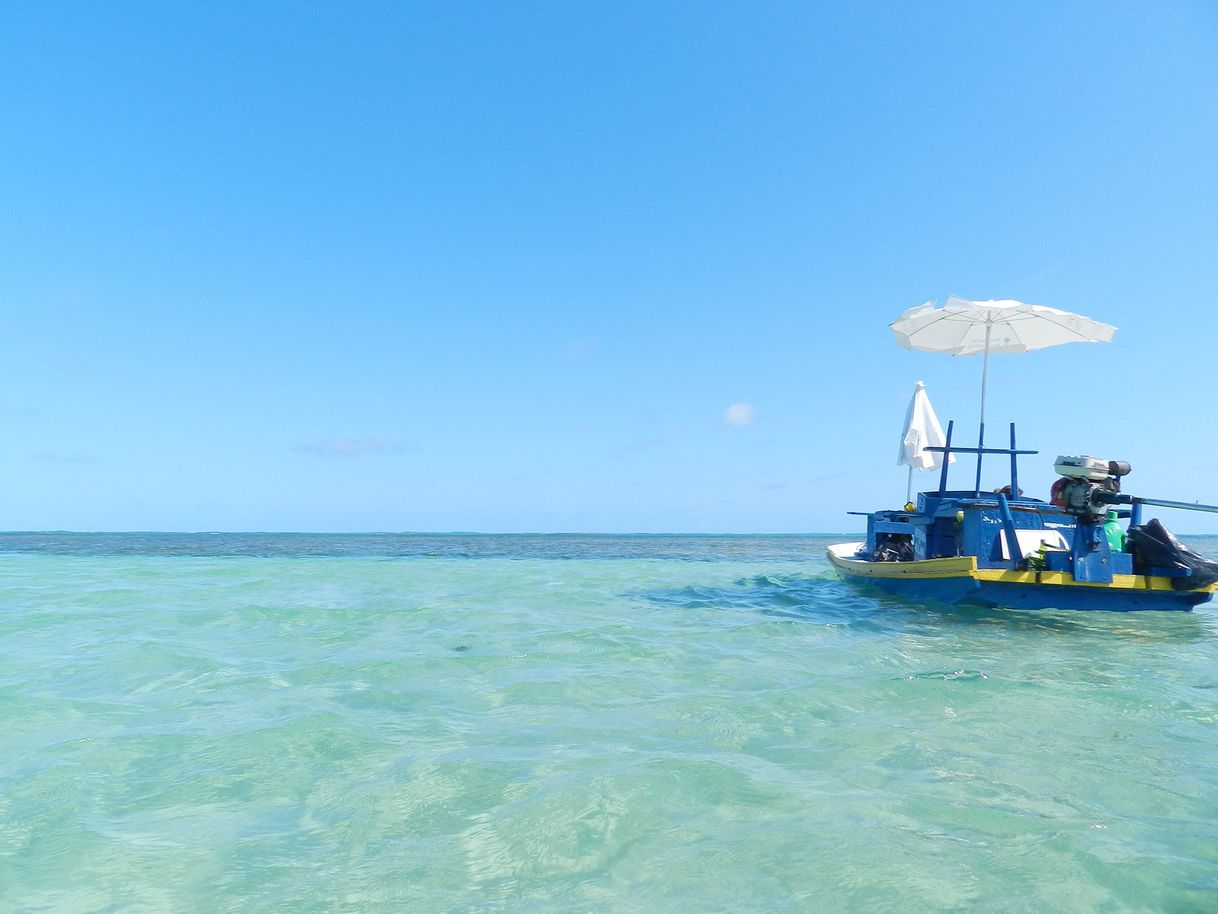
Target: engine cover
(1091,468)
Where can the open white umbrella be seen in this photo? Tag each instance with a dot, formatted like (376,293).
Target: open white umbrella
(922,430)
(963,327)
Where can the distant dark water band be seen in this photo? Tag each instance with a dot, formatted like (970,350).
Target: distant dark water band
(733,548)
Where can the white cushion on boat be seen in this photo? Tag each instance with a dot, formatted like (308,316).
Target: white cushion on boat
(1030,540)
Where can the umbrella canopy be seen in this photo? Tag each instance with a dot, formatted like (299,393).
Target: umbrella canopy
(922,430)
(963,327)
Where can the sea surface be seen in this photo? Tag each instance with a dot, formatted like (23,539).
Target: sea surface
(418,723)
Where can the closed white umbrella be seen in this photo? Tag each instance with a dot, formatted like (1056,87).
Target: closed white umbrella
(922,430)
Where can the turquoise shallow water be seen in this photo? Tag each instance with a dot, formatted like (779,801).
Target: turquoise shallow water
(421,723)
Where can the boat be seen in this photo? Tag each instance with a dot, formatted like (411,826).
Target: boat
(1004,549)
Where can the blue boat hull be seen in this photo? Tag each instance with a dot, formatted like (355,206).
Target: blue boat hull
(959,580)
(1029,596)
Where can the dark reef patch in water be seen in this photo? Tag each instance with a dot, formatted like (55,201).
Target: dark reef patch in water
(823,600)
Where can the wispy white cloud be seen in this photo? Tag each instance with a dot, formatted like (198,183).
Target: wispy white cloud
(635,447)
(20,412)
(740,415)
(577,350)
(51,457)
(340,448)
(827,477)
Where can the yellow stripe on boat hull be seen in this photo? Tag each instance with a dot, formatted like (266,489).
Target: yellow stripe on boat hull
(957,567)
(965,566)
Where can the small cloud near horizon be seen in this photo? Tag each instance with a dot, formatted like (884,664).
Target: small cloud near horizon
(740,415)
(350,447)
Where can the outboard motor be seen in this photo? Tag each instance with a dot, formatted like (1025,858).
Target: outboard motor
(1088,485)
(1087,488)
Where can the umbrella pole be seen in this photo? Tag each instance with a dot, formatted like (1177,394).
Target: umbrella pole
(985,373)
(909,485)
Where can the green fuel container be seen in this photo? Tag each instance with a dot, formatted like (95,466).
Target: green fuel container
(1112,530)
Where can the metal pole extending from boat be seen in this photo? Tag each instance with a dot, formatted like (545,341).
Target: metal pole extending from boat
(985,373)
(1014,466)
(947,457)
(1137,501)
(1185,505)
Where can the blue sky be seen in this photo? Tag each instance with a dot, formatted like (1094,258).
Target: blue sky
(444,266)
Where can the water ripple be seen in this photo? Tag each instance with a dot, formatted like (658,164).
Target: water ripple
(581,724)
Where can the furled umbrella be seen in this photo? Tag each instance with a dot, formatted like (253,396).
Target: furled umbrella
(963,327)
(922,430)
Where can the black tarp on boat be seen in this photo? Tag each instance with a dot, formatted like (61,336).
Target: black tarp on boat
(1154,546)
